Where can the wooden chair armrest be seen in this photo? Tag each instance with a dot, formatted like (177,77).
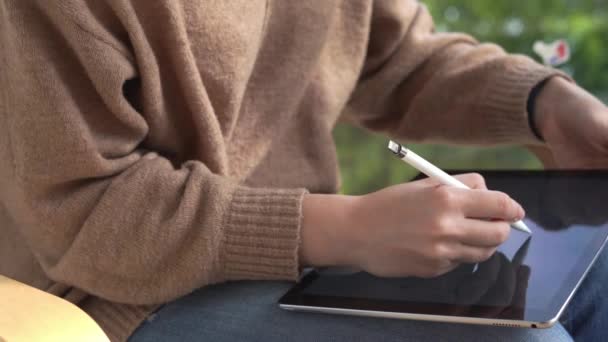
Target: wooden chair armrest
(29,314)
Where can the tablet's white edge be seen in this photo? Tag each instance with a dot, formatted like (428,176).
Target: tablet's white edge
(413,316)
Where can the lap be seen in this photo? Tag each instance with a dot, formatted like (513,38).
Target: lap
(247,311)
(587,314)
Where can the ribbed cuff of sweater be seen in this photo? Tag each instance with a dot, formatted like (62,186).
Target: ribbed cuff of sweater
(118,321)
(262,234)
(504,106)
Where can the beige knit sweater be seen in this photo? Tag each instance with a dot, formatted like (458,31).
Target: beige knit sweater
(149,148)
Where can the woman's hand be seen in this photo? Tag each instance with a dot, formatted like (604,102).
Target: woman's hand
(419,228)
(574,125)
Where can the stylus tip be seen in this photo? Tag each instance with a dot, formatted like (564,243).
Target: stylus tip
(520,225)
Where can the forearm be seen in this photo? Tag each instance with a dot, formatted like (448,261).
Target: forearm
(98,208)
(561,97)
(444,87)
(151,233)
(573,124)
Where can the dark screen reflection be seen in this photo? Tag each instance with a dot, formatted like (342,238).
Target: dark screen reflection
(560,199)
(568,214)
(489,289)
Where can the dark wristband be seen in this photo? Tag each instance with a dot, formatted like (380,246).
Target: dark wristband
(531,106)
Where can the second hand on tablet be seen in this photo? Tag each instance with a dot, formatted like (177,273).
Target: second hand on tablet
(436,173)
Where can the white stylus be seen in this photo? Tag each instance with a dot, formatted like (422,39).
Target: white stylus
(436,173)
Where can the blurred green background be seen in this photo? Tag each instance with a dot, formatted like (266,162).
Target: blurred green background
(365,163)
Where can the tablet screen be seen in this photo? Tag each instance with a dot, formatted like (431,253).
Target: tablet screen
(530,277)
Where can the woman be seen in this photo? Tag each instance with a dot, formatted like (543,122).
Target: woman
(155,148)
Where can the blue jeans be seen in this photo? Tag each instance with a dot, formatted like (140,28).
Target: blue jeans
(586,317)
(247,311)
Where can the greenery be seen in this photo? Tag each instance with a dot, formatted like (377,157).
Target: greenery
(515,25)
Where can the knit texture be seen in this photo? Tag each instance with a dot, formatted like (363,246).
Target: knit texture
(150,148)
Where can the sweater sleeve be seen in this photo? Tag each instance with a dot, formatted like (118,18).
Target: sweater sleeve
(102,212)
(420,85)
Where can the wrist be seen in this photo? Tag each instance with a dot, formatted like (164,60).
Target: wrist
(531,108)
(546,107)
(325,237)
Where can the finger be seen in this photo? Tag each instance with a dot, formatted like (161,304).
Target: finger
(487,204)
(480,233)
(448,268)
(472,180)
(432,270)
(471,254)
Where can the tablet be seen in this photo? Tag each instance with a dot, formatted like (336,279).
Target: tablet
(526,283)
